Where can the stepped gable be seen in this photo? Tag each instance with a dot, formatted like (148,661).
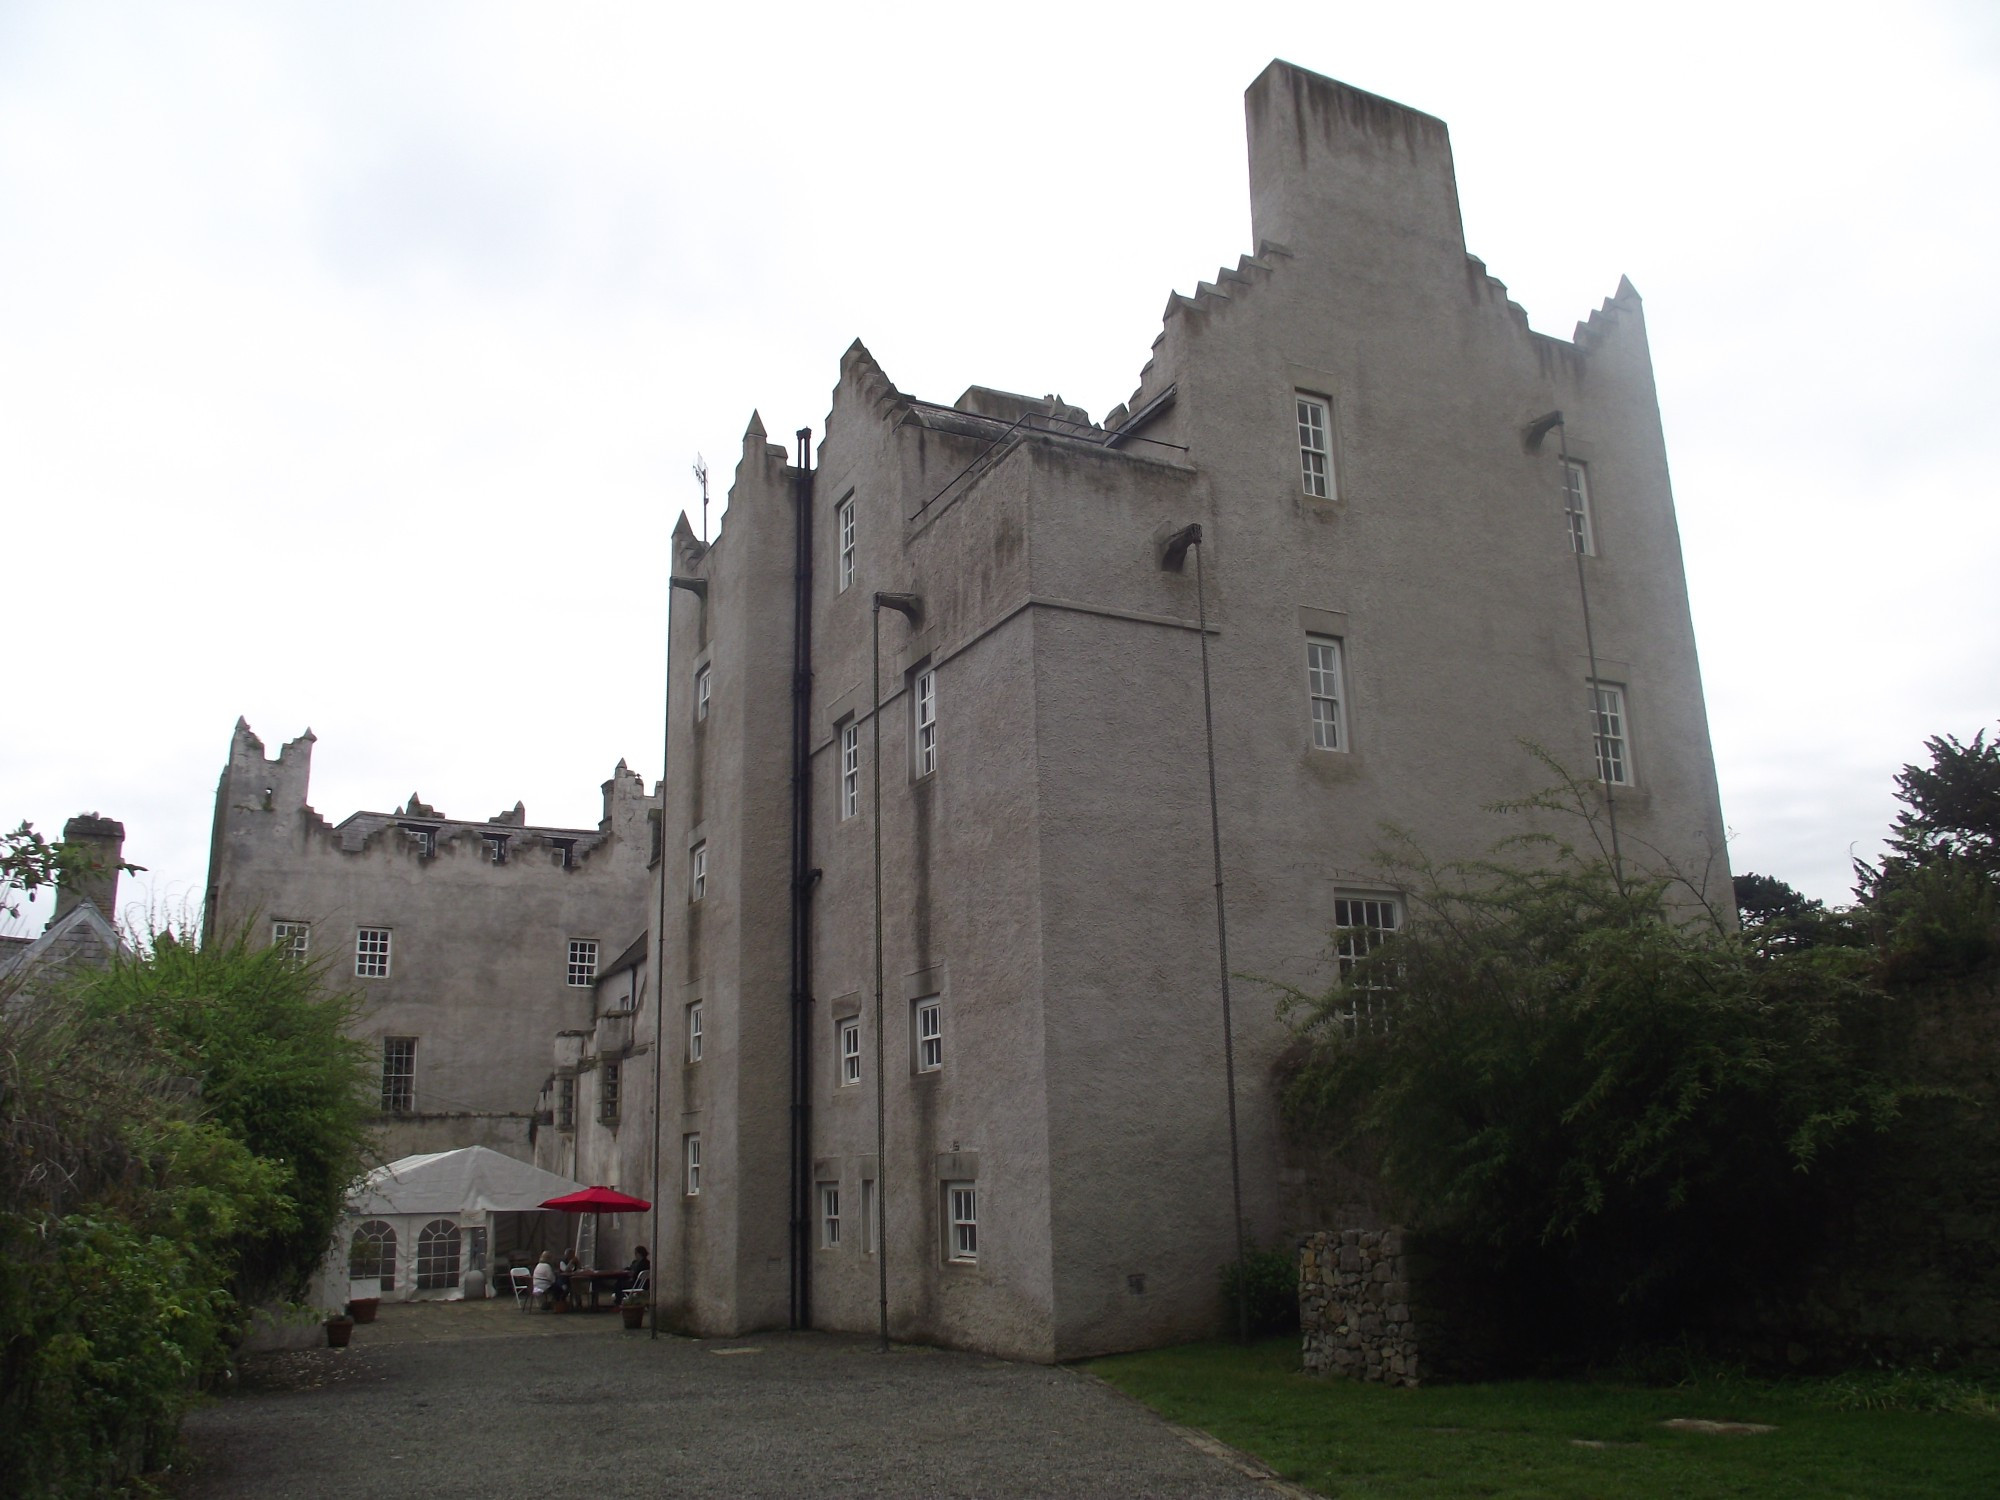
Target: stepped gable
(1249,272)
(872,383)
(1605,321)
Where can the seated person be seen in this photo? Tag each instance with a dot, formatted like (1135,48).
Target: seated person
(629,1277)
(545,1275)
(564,1266)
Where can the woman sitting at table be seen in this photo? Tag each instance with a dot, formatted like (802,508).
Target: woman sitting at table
(545,1277)
(564,1266)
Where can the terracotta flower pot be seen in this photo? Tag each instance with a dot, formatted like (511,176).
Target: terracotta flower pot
(362,1309)
(338,1331)
(635,1314)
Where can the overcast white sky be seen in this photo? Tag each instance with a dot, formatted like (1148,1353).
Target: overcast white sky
(353,357)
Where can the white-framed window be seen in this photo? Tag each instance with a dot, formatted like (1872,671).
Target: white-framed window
(371,1254)
(923,701)
(850,1051)
(829,1216)
(425,838)
(399,1075)
(691,1165)
(1610,737)
(698,871)
(496,847)
(850,770)
(1315,447)
(1325,693)
(700,694)
(566,1101)
(1361,924)
(609,1079)
(582,962)
(694,1032)
(930,1034)
(295,938)
(371,953)
(961,1206)
(1576,508)
(869,1233)
(844,524)
(438,1253)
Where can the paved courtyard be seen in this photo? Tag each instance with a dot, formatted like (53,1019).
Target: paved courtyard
(445,1400)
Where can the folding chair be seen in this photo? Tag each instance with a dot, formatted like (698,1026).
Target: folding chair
(524,1285)
(636,1292)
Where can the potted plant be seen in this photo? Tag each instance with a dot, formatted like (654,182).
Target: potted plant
(339,1329)
(634,1309)
(362,1309)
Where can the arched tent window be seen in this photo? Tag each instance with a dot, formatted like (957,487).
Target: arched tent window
(372,1253)
(437,1256)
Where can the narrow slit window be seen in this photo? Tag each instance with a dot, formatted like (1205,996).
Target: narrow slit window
(930,1035)
(1610,737)
(1323,688)
(924,708)
(829,1215)
(609,1080)
(850,1052)
(1315,448)
(850,770)
(845,522)
(399,1074)
(694,1032)
(962,1229)
(700,694)
(691,1164)
(1576,508)
(698,872)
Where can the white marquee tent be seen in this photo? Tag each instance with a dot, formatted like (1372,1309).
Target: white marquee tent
(419,1224)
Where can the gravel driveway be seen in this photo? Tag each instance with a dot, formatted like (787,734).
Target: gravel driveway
(445,1400)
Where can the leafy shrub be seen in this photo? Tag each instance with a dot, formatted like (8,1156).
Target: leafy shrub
(1269,1279)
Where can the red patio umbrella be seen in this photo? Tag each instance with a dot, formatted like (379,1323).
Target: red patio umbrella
(597,1200)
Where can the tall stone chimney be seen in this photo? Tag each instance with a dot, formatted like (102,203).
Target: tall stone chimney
(101,840)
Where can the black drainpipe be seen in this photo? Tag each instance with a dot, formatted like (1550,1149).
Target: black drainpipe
(802,881)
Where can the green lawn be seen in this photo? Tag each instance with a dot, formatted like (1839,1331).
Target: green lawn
(1347,1438)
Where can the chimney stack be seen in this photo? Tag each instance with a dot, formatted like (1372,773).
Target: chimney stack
(100,840)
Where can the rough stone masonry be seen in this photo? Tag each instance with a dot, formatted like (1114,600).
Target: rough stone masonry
(1354,1306)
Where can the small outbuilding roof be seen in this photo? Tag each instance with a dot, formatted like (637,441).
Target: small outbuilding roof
(472,1179)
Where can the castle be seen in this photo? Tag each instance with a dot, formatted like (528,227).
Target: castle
(1358,523)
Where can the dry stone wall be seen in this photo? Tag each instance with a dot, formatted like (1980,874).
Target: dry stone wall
(1354,1306)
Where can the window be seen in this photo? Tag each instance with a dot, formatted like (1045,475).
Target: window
(496,847)
(924,702)
(371,953)
(698,871)
(691,1162)
(607,1092)
(582,962)
(961,1222)
(1576,507)
(829,1216)
(844,521)
(437,1256)
(1361,924)
(371,1255)
(1323,690)
(1315,448)
(426,839)
(850,1052)
(399,1074)
(294,937)
(1608,734)
(850,770)
(566,1101)
(700,694)
(694,1032)
(868,1216)
(930,1034)
(563,853)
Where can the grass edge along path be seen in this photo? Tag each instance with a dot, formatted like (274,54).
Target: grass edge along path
(1566,1440)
